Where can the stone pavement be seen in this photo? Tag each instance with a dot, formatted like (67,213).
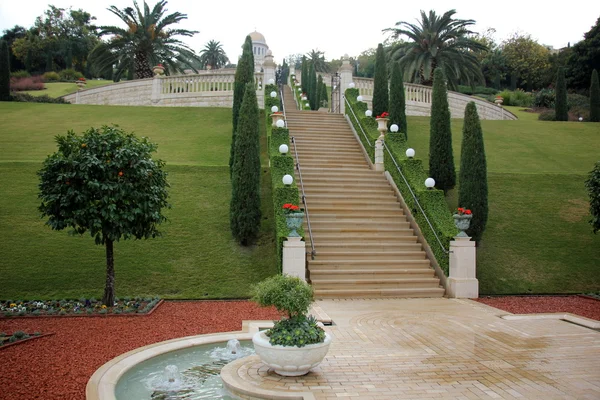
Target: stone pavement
(440,349)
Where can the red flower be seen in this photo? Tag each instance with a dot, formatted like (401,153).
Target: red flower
(160,65)
(384,114)
(468,212)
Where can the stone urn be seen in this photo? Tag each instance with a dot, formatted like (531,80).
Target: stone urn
(382,126)
(80,84)
(290,360)
(499,100)
(294,221)
(276,117)
(462,222)
(158,70)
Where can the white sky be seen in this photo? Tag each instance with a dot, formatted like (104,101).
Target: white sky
(335,27)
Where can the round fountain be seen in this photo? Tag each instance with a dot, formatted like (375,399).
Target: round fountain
(191,372)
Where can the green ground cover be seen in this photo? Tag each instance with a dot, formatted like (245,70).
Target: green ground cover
(57,89)
(196,258)
(538,239)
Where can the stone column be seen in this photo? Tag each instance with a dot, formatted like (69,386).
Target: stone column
(379,166)
(269,67)
(294,257)
(156,88)
(462,282)
(345,72)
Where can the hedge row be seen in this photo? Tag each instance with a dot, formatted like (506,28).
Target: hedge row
(298,94)
(281,165)
(433,201)
(271,101)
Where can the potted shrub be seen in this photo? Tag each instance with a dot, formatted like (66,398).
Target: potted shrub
(296,343)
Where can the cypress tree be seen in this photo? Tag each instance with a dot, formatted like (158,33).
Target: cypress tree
(313,95)
(244,74)
(441,158)
(398,101)
(69,57)
(595,98)
(380,84)
(245,211)
(323,97)
(560,105)
(49,61)
(304,75)
(473,191)
(4,71)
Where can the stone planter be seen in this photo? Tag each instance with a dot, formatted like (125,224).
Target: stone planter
(81,84)
(294,221)
(382,126)
(462,222)
(276,117)
(290,360)
(158,70)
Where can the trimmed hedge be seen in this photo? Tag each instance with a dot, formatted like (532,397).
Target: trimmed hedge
(298,95)
(281,165)
(433,201)
(271,101)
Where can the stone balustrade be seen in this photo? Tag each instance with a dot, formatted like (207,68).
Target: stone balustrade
(418,101)
(190,90)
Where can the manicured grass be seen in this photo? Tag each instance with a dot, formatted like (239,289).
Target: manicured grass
(57,89)
(538,239)
(196,257)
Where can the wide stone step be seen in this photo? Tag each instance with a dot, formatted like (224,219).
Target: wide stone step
(359,200)
(362,265)
(374,283)
(342,191)
(371,256)
(371,209)
(358,223)
(333,163)
(383,273)
(331,148)
(320,138)
(361,238)
(349,172)
(378,293)
(357,180)
(380,247)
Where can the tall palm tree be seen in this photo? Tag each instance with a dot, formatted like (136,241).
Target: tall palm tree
(146,40)
(213,55)
(317,58)
(438,41)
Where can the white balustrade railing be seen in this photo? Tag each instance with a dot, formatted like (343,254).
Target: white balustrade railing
(197,83)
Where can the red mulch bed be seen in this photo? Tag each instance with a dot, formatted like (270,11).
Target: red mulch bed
(59,366)
(585,306)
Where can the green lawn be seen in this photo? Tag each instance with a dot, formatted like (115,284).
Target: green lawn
(196,258)
(538,239)
(57,89)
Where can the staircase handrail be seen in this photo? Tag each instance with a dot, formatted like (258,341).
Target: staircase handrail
(313,252)
(414,196)
(358,122)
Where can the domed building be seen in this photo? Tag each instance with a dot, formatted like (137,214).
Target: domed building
(259,49)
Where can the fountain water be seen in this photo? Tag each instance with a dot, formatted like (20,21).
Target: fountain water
(190,373)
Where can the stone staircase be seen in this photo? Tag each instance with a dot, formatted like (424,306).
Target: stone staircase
(365,246)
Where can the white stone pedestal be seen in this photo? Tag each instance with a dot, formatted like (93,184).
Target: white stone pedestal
(379,166)
(294,257)
(462,282)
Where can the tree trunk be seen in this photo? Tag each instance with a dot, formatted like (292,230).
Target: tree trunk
(109,290)
(142,66)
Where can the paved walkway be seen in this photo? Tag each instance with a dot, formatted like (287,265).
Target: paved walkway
(443,349)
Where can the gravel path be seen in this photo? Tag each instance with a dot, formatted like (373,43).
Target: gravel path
(58,367)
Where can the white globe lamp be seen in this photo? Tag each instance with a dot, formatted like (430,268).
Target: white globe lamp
(287,180)
(351,85)
(274,109)
(280,123)
(283,149)
(273,94)
(394,128)
(410,153)
(368,113)
(271,81)
(429,183)
(359,98)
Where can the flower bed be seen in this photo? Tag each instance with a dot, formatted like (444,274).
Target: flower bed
(81,307)
(16,337)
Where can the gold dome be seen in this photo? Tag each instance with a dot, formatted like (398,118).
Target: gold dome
(257,37)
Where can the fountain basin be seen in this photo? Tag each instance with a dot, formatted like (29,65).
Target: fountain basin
(103,383)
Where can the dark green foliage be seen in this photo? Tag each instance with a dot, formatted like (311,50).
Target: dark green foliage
(323,97)
(245,210)
(432,201)
(298,331)
(271,101)
(544,98)
(27,98)
(380,84)
(560,106)
(398,101)
(69,57)
(441,158)
(105,182)
(473,192)
(313,94)
(595,98)
(244,74)
(288,294)
(584,58)
(304,77)
(4,72)
(547,115)
(592,185)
